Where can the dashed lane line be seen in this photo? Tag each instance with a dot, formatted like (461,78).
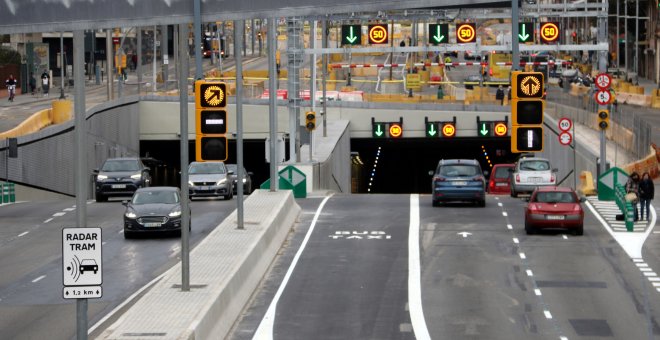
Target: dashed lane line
(23,234)
(38,279)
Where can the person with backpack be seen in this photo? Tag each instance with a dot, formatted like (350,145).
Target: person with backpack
(646,193)
(632,192)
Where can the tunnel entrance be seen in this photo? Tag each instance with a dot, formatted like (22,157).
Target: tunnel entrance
(403,165)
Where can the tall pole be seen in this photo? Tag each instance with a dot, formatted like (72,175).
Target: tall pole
(197,8)
(312,85)
(324,43)
(62,66)
(164,36)
(602,67)
(636,39)
(154,59)
(108,61)
(515,48)
(238,58)
(81,160)
(272,109)
(391,53)
(252,32)
(183,108)
(138,67)
(625,35)
(618,52)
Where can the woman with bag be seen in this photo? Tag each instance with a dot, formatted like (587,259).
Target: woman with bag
(646,193)
(632,191)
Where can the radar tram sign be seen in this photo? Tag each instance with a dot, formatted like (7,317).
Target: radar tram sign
(82,263)
(527,106)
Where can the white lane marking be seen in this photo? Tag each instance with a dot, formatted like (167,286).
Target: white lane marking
(529,272)
(655,284)
(123,304)
(537,292)
(504,214)
(637,260)
(497,198)
(563,338)
(103,243)
(522,256)
(48,220)
(641,264)
(499,204)
(265,329)
(658,289)
(515,240)
(654,278)
(564,237)
(23,234)
(414,274)
(508,226)
(646,269)
(70,209)
(38,279)
(58,214)
(121,231)
(649,274)
(547,314)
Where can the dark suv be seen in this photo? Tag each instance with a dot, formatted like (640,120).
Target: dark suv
(459,180)
(120,177)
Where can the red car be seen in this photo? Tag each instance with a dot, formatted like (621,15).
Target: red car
(500,179)
(554,208)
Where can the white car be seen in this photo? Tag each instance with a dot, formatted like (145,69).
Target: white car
(531,173)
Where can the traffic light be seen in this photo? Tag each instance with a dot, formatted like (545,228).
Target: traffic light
(210,121)
(527,106)
(310,121)
(603,119)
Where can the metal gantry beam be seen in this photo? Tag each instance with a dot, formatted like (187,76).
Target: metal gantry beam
(460,47)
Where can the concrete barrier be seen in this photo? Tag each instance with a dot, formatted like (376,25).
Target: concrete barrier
(225,269)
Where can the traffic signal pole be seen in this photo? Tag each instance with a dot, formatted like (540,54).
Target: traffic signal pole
(239,26)
(272,109)
(602,67)
(183,107)
(515,49)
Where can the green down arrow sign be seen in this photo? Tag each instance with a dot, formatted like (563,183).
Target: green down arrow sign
(431,130)
(378,130)
(484,129)
(524,27)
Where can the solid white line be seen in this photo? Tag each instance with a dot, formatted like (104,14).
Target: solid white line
(48,220)
(646,269)
(265,329)
(23,234)
(537,292)
(547,314)
(38,279)
(414,274)
(515,240)
(529,272)
(563,338)
(127,301)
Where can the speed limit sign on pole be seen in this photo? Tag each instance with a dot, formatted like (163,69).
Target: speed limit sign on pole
(565,124)
(603,81)
(603,97)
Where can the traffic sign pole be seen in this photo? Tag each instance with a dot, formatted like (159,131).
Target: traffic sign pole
(515,48)
(183,121)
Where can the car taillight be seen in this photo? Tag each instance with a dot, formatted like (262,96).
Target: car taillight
(577,208)
(552,178)
(518,178)
(490,72)
(533,207)
(491,184)
(478,178)
(438,179)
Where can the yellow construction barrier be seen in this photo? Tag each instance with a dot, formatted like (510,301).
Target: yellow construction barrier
(586,184)
(62,111)
(34,123)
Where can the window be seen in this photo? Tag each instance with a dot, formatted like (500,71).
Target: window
(535,165)
(502,172)
(120,165)
(207,168)
(555,197)
(459,170)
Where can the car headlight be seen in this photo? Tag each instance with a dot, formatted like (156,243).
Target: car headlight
(244,180)
(190,183)
(176,212)
(221,182)
(136,176)
(130,214)
(101,177)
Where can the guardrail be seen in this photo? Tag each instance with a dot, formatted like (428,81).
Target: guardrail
(8,192)
(626,207)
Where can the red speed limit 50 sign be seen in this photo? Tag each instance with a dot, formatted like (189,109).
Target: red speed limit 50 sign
(466,33)
(549,32)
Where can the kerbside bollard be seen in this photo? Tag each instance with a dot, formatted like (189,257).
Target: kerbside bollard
(12,193)
(5,192)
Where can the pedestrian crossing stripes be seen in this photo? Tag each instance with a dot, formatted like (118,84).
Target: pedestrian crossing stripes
(608,211)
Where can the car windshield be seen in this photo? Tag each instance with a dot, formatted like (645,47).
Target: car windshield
(554,197)
(232,167)
(502,172)
(120,165)
(152,197)
(207,168)
(459,170)
(535,165)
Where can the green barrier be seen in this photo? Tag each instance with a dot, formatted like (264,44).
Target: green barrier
(7,193)
(12,193)
(290,178)
(625,207)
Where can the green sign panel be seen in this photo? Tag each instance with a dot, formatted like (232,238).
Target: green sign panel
(525,32)
(438,33)
(378,130)
(432,130)
(351,34)
(485,129)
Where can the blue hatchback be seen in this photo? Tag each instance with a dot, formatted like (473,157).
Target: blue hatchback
(459,180)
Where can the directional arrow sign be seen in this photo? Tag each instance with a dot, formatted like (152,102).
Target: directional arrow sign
(351,34)
(483,130)
(378,130)
(524,28)
(431,130)
(438,33)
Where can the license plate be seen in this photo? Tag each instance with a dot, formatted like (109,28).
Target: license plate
(119,186)
(152,224)
(500,184)
(555,217)
(206,188)
(460,183)
(536,179)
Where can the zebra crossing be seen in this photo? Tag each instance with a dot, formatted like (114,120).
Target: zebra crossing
(608,211)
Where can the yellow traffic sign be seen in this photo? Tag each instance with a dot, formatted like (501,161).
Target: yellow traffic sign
(210,94)
(527,84)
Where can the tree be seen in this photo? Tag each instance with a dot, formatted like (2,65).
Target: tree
(9,56)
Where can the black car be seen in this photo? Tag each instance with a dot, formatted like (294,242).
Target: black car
(120,177)
(247,178)
(153,210)
(458,180)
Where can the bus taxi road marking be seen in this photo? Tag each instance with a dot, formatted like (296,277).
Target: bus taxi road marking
(38,279)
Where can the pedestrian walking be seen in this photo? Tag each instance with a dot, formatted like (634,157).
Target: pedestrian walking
(646,193)
(33,84)
(499,95)
(447,63)
(45,83)
(632,192)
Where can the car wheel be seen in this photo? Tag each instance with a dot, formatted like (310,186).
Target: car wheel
(529,229)
(435,203)
(228,196)
(514,194)
(579,231)
(127,235)
(101,198)
(482,203)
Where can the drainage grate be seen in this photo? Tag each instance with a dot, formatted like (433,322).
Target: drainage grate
(591,327)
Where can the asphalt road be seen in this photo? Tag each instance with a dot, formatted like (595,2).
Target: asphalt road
(482,277)
(31,302)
